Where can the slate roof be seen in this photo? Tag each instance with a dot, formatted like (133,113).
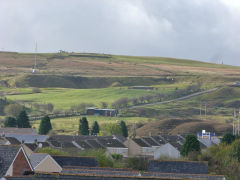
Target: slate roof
(55,143)
(94,144)
(120,138)
(159,140)
(2,141)
(28,138)
(7,155)
(13,140)
(44,144)
(146,176)
(182,167)
(175,141)
(30,131)
(32,146)
(75,161)
(83,144)
(61,138)
(111,143)
(140,142)
(36,158)
(149,141)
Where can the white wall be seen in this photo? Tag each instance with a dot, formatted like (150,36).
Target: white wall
(166,150)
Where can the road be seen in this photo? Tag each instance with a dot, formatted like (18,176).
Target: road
(177,99)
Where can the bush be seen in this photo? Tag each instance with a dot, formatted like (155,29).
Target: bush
(36,90)
(117,156)
(13,109)
(137,163)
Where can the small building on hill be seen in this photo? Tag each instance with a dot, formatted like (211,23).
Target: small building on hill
(102,112)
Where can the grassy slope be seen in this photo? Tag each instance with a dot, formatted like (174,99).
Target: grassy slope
(184,72)
(70,125)
(63,98)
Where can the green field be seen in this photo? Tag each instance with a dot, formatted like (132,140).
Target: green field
(69,125)
(63,98)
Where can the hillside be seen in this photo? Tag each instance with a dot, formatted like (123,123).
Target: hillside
(68,80)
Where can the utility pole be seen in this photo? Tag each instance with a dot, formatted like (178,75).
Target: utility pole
(200,110)
(205,111)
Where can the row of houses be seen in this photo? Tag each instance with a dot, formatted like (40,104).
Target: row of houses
(16,163)
(153,146)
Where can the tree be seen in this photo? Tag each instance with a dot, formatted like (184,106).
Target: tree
(228,138)
(124,129)
(83,126)
(23,120)
(191,144)
(50,107)
(45,125)
(104,105)
(13,109)
(10,122)
(95,128)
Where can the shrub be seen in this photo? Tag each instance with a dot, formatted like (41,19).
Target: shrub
(137,163)
(117,156)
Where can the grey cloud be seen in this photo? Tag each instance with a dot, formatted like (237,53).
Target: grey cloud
(194,29)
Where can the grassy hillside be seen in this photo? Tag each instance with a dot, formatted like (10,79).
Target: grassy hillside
(68,79)
(107,65)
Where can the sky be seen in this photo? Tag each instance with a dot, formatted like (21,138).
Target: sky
(206,30)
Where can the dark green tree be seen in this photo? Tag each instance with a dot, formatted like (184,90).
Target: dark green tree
(10,122)
(45,125)
(95,128)
(124,129)
(23,120)
(228,138)
(191,144)
(83,126)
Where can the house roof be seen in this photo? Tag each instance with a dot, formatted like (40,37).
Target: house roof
(36,158)
(75,161)
(175,141)
(135,176)
(111,143)
(83,144)
(183,167)
(140,142)
(119,137)
(13,140)
(32,146)
(2,141)
(7,155)
(44,144)
(30,131)
(94,143)
(150,141)
(28,138)
(158,139)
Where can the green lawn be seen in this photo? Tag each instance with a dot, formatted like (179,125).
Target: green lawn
(65,98)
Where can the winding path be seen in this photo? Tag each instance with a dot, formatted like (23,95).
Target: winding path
(177,99)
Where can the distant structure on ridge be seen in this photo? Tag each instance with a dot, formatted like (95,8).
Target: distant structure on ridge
(34,70)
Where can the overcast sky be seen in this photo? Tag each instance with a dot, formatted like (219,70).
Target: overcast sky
(207,30)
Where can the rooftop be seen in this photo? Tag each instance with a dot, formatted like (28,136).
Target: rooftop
(140,142)
(75,161)
(9,130)
(7,155)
